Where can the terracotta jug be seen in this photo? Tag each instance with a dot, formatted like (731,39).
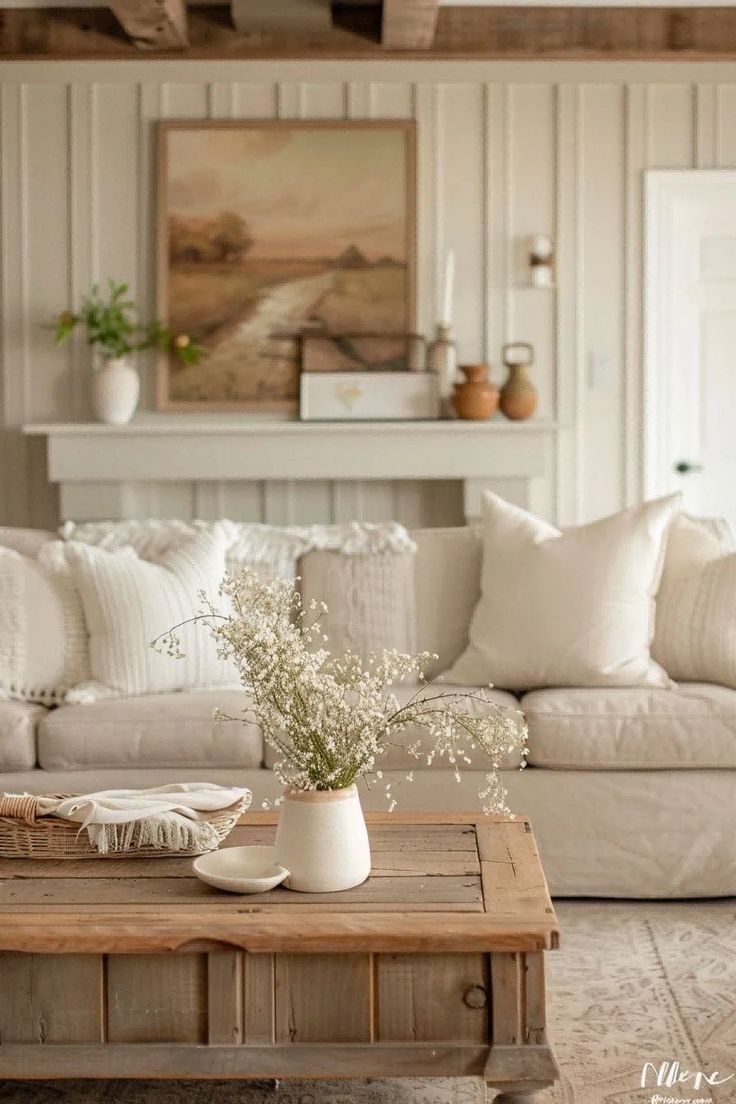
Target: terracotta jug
(476,398)
(518,395)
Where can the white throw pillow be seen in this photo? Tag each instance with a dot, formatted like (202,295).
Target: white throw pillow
(566,609)
(128,602)
(43,636)
(695,629)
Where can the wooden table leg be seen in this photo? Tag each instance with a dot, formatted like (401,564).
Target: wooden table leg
(520,1062)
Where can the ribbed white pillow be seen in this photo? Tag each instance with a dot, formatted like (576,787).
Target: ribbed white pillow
(128,602)
(695,629)
(566,609)
(43,637)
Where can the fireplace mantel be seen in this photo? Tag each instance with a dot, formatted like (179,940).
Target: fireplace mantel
(196,449)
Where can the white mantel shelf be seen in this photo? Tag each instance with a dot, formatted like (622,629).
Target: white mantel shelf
(210,426)
(197,448)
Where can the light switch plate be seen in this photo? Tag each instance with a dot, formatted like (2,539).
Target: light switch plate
(601,372)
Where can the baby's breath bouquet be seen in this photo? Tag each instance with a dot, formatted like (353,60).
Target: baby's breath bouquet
(332,719)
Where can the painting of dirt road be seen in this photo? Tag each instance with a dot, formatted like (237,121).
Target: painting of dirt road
(272,230)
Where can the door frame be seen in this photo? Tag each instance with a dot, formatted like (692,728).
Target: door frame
(662,189)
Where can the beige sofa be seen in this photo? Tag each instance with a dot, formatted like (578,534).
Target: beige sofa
(632,792)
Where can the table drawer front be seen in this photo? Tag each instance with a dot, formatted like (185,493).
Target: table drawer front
(432,998)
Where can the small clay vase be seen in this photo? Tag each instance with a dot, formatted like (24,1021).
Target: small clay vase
(476,398)
(518,395)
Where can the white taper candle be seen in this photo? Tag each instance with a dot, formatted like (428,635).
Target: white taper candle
(449,288)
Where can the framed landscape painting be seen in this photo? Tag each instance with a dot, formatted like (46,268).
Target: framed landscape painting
(272,230)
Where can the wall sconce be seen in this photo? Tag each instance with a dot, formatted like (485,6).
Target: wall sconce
(541,259)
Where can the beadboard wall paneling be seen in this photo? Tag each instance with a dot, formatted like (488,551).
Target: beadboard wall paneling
(505,150)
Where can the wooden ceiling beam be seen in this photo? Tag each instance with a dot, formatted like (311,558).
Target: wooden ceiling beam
(153,24)
(463,33)
(409,24)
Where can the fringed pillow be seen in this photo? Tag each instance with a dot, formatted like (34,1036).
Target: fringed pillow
(44,648)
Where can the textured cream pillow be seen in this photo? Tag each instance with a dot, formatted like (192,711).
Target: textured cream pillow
(369,599)
(128,602)
(566,609)
(43,636)
(695,628)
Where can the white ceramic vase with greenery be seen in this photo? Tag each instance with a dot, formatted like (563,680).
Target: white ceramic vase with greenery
(115,391)
(114,333)
(332,719)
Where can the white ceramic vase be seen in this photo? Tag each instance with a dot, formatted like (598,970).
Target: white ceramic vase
(115,391)
(322,840)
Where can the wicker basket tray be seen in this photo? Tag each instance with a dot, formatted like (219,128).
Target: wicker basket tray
(24,834)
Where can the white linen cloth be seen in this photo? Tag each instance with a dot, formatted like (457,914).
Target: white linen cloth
(166,817)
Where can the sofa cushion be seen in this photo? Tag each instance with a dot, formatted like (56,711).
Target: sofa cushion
(18,722)
(690,727)
(161,730)
(397,758)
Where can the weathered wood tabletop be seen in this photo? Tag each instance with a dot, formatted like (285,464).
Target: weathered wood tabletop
(482,874)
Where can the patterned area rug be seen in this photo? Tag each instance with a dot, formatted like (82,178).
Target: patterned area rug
(633,983)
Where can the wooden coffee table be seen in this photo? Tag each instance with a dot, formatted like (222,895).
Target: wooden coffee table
(433,967)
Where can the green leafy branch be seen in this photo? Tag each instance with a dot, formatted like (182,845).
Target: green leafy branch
(112,324)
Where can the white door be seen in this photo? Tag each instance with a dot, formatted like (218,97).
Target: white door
(690,339)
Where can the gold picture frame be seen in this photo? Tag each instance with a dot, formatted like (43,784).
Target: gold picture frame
(268,230)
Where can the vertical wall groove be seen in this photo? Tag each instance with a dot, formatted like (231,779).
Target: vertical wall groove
(94,206)
(150,108)
(75,237)
(485,225)
(706,126)
(508,267)
(559,453)
(427,201)
(80,237)
(567,327)
(23,259)
(725,126)
(5,310)
(496,231)
(635,161)
(579,482)
(440,245)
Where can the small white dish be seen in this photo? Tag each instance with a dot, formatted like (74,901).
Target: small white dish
(241,869)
